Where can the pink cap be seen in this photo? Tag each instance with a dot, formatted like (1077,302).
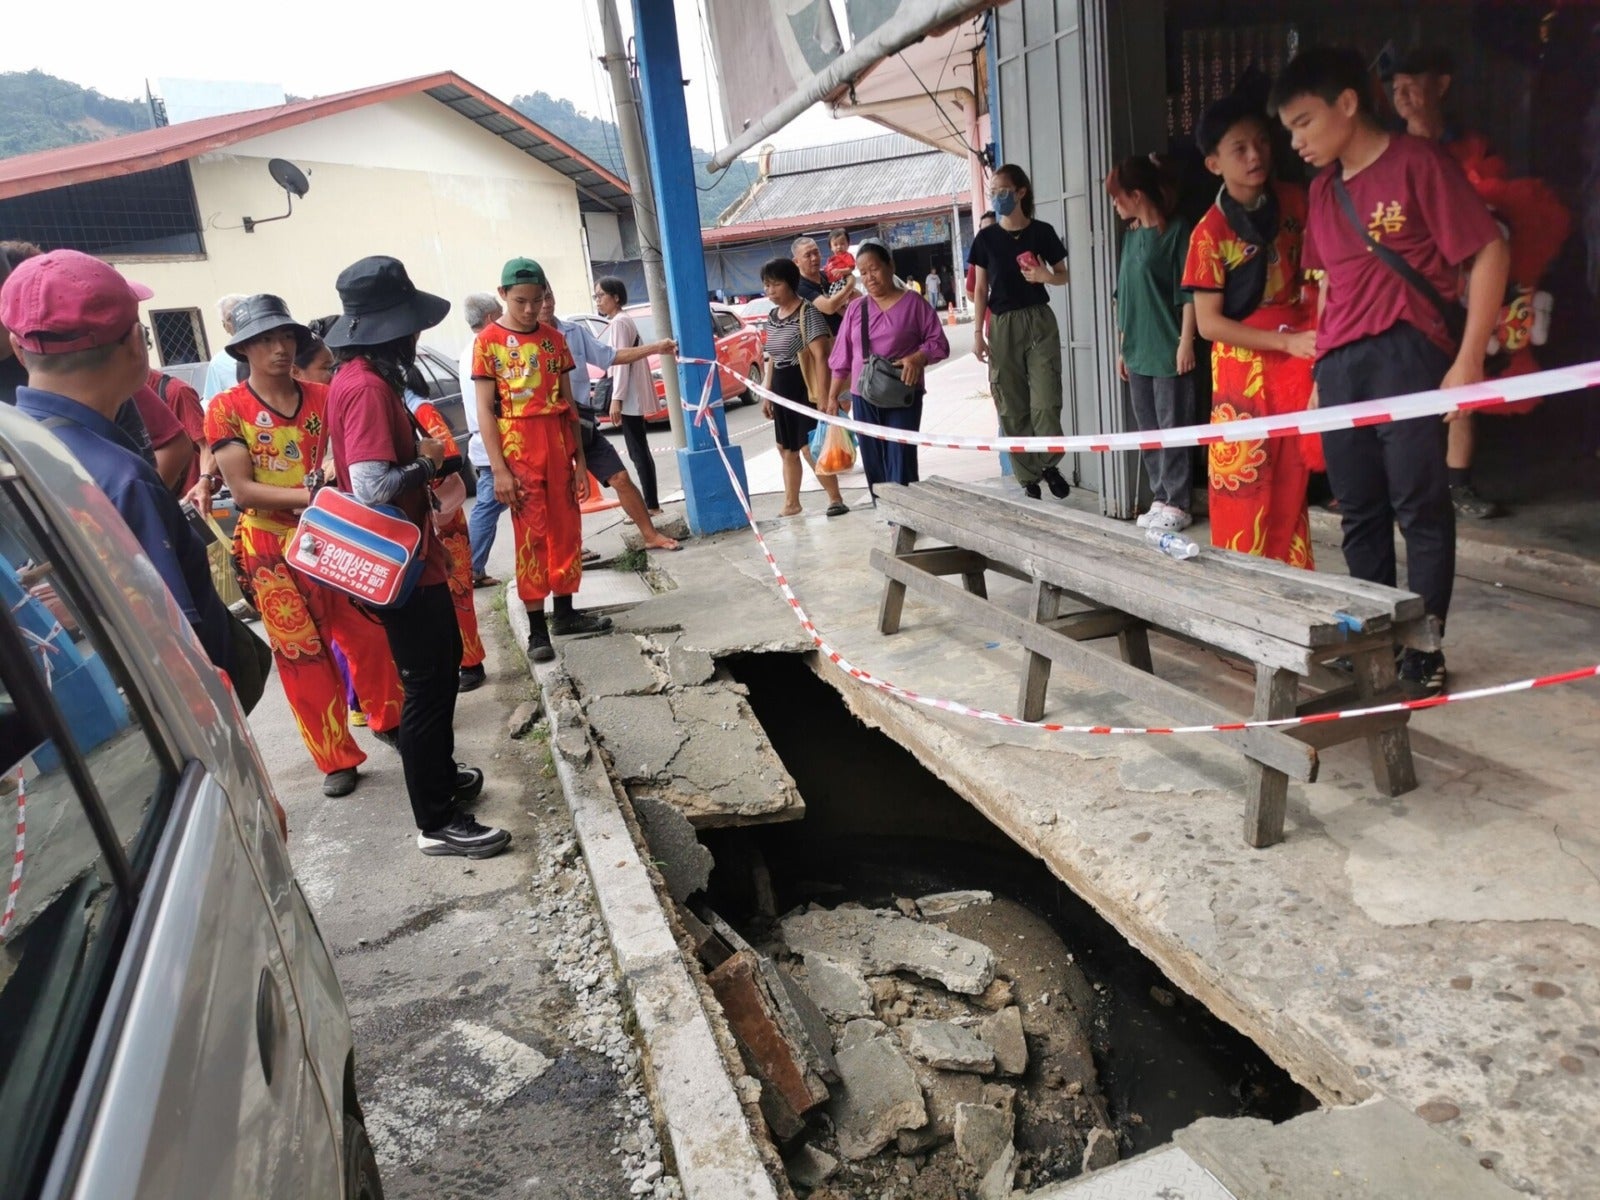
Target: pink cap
(64,301)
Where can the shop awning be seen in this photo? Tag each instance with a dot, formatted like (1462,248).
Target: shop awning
(788,33)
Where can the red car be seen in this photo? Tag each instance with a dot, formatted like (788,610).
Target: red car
(754,314)
(738,354)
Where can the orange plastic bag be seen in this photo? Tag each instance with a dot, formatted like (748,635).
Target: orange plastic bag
(833,448)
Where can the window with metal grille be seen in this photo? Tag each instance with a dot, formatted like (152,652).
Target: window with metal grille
(180,335)
(152,213)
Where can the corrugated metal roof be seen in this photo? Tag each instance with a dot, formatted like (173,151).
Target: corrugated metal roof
(890,172)
(599,189)
(845,154)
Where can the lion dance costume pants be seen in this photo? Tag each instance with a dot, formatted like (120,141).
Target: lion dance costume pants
(546,525)
(302,620)
(459,548)
(1258,489)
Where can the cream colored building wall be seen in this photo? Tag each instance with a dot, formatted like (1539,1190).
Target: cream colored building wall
(408,178)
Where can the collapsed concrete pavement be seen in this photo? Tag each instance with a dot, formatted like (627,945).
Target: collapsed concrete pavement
(1430,950)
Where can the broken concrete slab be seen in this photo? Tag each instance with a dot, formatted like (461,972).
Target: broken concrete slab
(878,1096)
(948,1046)
(802,1017)
(1373,1151)
(725,771)
(773,1051)
(942,1093)
(942,904)
(1100,1151)
(1002,1032)
(837,988)
(809,1167)
(857,1032)
(879,942)
(683,862)
(672,527)
(570,738)
(686,667)
(613,664)
(996,1182)
(639,733)
(982,1135)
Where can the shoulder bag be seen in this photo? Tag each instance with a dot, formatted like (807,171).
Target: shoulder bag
(1454,316)
(880,382)
(369,551)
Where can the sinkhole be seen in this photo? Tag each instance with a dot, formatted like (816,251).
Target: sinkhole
(1112,1044)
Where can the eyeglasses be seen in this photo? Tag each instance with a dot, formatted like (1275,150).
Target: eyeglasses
(149,343)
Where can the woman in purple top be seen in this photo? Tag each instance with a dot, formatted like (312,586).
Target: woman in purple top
(902,327)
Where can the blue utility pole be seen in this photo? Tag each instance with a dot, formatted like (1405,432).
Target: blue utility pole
(711,501)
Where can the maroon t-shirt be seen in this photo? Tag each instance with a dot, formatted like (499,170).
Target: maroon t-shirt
(368,422)
(1416,200)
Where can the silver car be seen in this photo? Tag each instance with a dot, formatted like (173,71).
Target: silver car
(170,1022)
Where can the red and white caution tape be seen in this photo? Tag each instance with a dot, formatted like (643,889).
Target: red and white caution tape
(1000,718)
(1471,398)
(16,858)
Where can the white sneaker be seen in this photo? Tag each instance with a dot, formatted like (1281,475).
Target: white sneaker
(1150,514)
(1170,518)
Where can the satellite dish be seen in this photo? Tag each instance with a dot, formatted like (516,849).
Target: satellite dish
(291,179)
(288,176)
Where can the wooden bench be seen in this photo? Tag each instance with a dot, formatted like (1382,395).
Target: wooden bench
(1282,620)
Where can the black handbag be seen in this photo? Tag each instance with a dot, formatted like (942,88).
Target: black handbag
(880,382)
(1454,316)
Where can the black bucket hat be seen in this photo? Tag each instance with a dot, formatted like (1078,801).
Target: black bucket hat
(256,315)
(381,304)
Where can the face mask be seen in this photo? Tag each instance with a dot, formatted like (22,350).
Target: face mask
(1005,203)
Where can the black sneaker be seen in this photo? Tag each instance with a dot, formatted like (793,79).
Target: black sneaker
(569,624)
(472,678)
(1031,491)
(465,837)
(1421,674)
(1472,506)
(339,783)
(469,785)
(539,648)
(1059,487)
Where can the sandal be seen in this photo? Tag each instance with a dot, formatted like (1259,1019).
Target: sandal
(838,509)
(483,581)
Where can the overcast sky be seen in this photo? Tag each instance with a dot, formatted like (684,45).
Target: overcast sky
(315,48)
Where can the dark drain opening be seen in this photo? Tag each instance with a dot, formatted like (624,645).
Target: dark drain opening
(881,826)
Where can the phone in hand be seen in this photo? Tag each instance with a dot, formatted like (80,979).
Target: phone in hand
(1028,260)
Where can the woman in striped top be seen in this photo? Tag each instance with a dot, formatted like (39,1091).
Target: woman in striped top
(797,348)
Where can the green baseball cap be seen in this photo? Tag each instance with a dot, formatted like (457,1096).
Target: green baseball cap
(522,270)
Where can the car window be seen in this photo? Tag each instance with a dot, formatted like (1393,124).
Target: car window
(83,793)
(724,323)
(430,371)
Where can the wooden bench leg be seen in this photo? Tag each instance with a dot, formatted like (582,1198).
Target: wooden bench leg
(1134,642)
(901,541)
(1267,790)
(973,581)
(1390,751)
(1036,667)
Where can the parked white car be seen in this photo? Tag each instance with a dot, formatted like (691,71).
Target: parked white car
(170,1021)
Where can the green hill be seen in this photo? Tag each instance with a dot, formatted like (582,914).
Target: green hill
(41,112)
(600,141)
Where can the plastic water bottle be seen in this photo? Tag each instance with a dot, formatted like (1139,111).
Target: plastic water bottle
(1173,545)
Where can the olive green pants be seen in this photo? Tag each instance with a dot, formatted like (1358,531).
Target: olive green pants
(1025,379)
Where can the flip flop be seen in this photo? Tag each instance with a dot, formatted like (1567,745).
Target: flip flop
(591,556)
(483,581)
(839,509)
(677,545)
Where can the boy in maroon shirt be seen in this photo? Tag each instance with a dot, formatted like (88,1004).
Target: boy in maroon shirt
(1380,334)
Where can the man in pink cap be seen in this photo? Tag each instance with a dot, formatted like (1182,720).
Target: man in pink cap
(74,323)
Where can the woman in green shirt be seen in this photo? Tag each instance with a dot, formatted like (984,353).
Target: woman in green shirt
(1155,318)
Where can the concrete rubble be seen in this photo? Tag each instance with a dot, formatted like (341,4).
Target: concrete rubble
(948,1046)
(880,943)
(878,1097)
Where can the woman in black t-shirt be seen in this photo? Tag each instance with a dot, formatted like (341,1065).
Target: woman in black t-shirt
(1013,262)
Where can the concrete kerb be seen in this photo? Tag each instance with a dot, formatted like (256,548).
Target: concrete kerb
(715,1152)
